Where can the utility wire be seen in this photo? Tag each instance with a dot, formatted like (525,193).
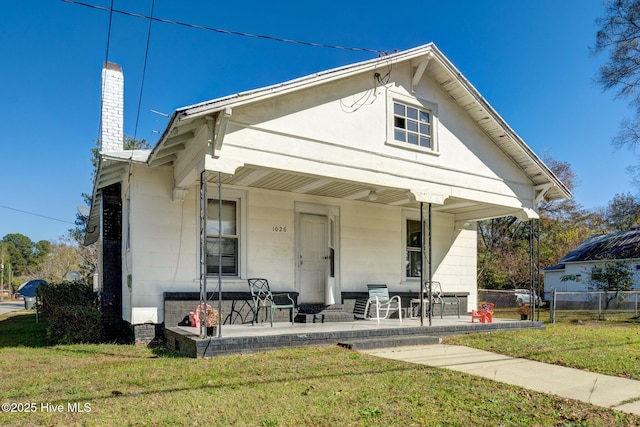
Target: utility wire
(230,32)
(144,69)
(106,59)
(35,214)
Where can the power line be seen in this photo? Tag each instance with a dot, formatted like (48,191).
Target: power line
(230,32)
(144,69)
(106,59)
(35,214)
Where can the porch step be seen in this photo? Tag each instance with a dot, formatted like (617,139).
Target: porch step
(324,317)
(396,341)
(189,344)
(319,313)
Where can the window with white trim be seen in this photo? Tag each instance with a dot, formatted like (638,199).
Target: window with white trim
(412,125)
(413,243)
(229,237)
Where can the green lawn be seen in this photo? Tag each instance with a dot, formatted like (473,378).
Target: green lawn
(321,386)
(607,347)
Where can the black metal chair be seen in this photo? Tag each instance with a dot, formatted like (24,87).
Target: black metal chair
(262,297)
(437,297)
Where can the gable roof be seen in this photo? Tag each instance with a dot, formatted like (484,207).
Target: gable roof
(614,246)
(428,60)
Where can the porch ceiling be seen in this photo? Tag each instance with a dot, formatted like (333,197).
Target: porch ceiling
(271,179)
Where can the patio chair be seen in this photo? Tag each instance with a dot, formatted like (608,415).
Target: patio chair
(262,297)
(379,298)
(485,314)
(437,297)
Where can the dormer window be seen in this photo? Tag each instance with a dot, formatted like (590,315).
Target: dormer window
(412,125)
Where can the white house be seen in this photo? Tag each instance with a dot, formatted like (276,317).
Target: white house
(573,271)
(322,180)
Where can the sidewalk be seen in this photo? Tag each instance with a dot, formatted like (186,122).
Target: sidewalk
(8,306)
(597,389)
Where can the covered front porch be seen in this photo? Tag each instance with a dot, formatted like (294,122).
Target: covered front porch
(358,334)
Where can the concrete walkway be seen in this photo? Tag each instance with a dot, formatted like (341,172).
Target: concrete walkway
(597,389)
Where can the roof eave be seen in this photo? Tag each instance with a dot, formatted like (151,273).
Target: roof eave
(559,191)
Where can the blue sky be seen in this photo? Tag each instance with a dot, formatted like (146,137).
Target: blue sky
(530,60)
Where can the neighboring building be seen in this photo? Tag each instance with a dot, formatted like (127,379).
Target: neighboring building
(322,180)
(573,271)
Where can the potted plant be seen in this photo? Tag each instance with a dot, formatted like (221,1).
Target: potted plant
(524,311)
(212,319)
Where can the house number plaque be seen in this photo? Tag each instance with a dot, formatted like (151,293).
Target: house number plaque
(279,229)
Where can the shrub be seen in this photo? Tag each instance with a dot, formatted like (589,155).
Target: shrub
(65,293)
(71,310)
(72,324)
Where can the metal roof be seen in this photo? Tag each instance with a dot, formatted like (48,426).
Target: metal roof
(614,246)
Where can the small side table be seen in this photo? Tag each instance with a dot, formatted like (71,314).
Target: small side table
(415,304)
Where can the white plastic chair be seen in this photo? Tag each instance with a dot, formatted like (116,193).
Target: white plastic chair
(379,298)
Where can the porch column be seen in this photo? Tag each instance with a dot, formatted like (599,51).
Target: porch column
(203,251)
(203,247)
(423,263)
(534,266)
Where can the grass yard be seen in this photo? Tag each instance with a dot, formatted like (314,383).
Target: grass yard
(610,348)
(321,386)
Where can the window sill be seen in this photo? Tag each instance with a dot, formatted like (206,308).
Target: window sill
(411,147)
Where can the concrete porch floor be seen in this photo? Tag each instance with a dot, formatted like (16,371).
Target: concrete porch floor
(247,338)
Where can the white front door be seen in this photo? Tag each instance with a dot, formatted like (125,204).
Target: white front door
(313,258)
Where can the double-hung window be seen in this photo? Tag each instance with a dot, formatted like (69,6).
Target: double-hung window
(413,243)
(225,241)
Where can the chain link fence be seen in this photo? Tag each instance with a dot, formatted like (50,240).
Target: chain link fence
(584,306)
(500,299)
(514,304)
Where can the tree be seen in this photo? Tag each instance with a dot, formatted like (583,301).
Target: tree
(503,254)
(5,260)
(503,243)
(619,37)
(623,212)
(26,255)
(67,255)
(612,278)
(129,143)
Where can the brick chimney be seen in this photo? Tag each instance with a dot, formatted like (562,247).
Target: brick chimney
(112,118)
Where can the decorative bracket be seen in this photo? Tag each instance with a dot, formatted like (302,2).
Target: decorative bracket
(216,131)
(179,193)
(541,191)
(422,66)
